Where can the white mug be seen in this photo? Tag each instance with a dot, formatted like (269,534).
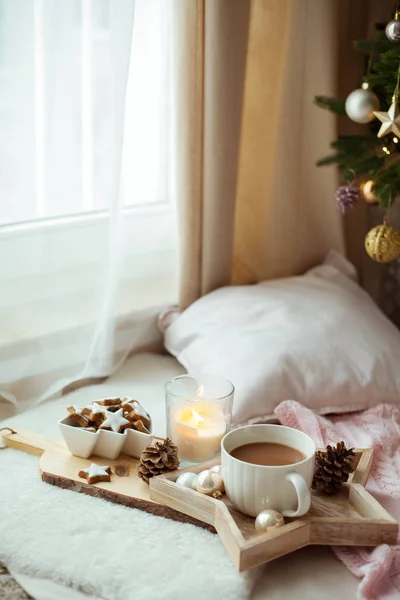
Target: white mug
(252,488)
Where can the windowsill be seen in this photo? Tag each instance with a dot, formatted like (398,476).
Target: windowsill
(40,321)
(54,304)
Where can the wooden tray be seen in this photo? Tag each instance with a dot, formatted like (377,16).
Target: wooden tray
(351,518)
(58,467)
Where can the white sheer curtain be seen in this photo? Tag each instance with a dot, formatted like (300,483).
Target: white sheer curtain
(87,226)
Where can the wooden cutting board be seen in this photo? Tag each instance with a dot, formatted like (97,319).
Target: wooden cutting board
(58,467)
(351,518)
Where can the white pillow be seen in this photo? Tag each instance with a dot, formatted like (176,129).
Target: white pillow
(318,339)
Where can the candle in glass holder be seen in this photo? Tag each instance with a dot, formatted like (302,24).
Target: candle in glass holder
(198,415)
(198,431)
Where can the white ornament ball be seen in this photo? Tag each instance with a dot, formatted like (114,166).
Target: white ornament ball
(187,480)
(216,469)
(360,105)
(269,519)
(208,482)
(393,31)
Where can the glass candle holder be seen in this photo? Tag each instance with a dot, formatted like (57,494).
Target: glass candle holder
(199,412)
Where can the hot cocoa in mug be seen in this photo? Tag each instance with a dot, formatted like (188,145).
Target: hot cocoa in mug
(267,454)
(268,466)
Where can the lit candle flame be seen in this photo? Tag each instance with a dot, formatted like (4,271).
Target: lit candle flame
(199,420)
(200,391)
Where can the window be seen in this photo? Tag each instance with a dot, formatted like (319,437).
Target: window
(58,106)
(68,69)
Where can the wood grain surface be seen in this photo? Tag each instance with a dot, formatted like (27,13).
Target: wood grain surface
(58,467)
(352,517)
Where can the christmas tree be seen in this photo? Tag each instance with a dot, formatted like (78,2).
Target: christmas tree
(371,159)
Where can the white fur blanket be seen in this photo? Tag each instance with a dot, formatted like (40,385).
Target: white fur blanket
(111,551)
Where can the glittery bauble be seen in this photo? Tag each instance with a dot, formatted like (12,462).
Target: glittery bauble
(187,480)
(367,189)
(382,243)
(208,482)
(360,105)
(347,197)
(393,31)
(269,519)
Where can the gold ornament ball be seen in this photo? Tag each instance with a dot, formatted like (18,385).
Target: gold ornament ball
(269,519)
(382,243)
(208,482)
(367,189)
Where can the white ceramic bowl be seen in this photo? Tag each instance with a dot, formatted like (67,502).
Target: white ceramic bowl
(106,444)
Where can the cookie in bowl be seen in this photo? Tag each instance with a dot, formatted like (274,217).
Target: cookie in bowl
(107,427)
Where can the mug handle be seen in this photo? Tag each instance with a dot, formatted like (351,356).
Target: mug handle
(303,496)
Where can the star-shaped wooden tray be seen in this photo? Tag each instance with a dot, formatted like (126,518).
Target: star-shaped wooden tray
(351,518)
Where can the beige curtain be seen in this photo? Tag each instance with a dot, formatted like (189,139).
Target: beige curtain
(252,204)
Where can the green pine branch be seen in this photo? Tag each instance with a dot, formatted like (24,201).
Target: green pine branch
(362,157)
(383,76)
(332,104)
(377,46)
(387,182)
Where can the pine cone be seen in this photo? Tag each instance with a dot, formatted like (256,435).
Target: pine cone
(347,197)
(332,468)
(157,458)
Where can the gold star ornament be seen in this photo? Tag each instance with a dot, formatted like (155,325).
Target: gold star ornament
(390,120)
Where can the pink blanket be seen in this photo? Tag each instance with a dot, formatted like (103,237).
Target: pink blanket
(379,428)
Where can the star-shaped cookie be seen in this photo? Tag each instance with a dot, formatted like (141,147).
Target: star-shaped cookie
(96,473)
(390,120)
(114,421)
(93,409)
